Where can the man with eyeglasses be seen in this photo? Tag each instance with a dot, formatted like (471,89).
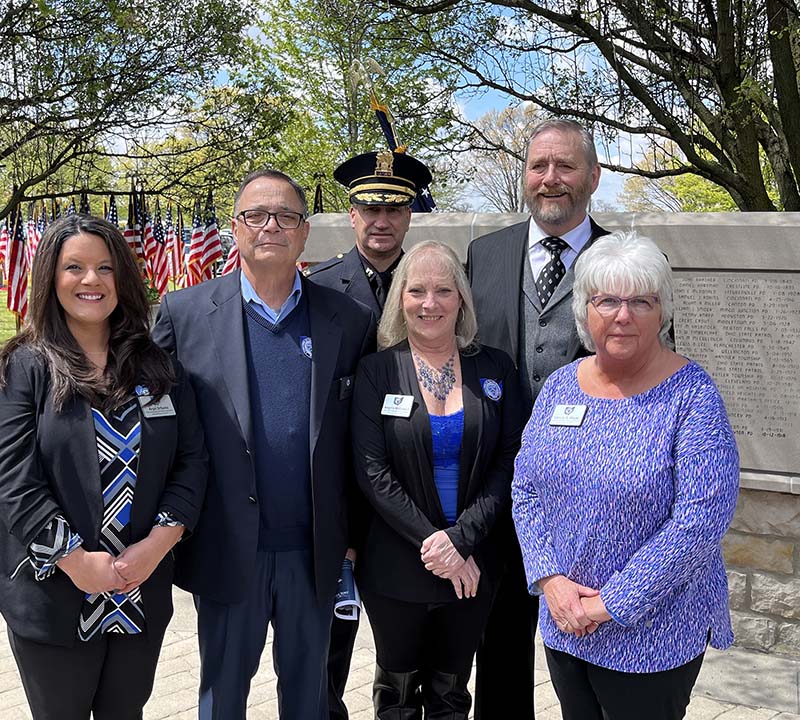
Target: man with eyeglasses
(521,280)
(272,359)
(381,188)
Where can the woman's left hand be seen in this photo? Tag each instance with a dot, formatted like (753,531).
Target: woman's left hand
(138,561)
(595,609)
(440,555)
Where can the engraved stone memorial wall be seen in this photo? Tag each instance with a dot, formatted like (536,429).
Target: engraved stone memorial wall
(744,329)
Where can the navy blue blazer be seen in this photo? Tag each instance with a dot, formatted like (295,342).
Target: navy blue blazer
(204,327)
(49,466)
(394,468)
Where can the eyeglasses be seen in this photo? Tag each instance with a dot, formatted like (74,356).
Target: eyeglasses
(610,305)
(258,219)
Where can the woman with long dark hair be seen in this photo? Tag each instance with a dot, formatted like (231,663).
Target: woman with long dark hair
(102,469)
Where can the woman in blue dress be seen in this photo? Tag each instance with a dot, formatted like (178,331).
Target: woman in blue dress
(436,425)
(625,483)
(102,470)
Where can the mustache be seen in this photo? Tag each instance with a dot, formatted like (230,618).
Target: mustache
(554,189)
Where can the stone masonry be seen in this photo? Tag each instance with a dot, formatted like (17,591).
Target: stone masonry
(762,554)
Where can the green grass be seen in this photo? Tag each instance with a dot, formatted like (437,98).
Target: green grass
(8,321)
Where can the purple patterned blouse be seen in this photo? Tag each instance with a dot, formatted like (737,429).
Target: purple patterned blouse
(634,501)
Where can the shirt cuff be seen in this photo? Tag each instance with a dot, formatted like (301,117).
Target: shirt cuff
(55,541)
(166,519)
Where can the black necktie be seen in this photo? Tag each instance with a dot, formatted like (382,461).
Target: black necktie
(551,274)
(382,281)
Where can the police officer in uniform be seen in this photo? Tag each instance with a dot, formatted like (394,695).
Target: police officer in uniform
(382,186)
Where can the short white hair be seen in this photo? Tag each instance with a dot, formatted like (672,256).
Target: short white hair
(624,264)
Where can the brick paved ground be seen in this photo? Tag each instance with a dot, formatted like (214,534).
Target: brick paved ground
(735,676)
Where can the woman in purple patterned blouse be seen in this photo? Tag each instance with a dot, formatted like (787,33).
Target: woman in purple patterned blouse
(624,486)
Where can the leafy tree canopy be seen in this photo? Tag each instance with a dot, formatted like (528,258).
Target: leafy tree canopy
(81,80)
(720,80)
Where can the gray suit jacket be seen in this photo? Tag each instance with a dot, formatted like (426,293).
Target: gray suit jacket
(495,264)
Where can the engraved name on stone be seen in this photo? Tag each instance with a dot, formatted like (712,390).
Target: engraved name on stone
(744,328)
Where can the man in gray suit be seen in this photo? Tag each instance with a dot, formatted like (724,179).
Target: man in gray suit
(521,280)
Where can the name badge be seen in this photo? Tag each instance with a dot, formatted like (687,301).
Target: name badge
(568,415)
(161,408)
(397,405)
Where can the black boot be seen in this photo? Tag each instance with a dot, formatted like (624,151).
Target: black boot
(445,696)
(396,695)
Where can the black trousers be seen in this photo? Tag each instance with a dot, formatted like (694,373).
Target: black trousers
(110,676)
(340,653)
(504,663)
(589,692)
(413,636)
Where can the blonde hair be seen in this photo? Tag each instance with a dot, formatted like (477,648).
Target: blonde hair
(393,329)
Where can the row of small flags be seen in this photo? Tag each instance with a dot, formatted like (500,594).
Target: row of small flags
(158,245)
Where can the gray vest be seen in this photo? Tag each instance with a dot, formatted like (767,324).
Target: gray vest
(546,338)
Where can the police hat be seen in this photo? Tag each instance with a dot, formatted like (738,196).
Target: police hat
(383,178)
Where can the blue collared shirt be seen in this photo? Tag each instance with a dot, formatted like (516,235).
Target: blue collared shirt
(249,295)
(575,238)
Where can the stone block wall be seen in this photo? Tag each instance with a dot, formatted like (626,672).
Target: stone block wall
(762,555)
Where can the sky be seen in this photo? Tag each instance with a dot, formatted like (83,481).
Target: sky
(473,107)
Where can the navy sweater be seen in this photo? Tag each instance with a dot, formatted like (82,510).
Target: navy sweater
(279,374)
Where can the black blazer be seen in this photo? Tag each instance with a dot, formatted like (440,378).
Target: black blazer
(394,468)
(345,273)
(49,466)
(495,264)
(204,327)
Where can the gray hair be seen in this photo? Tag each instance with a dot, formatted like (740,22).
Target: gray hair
(627,264)
(271,174)
(565,125)
(392,328)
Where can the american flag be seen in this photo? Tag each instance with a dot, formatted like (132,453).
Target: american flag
(194,267)
(112,215)
(32,235)
(17,268)
(161,278)
(71,207)
(184,246)
(232,262)
(212,247)
(150,247)
(3,248)
(133,231)
(174,247)
(43,220)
